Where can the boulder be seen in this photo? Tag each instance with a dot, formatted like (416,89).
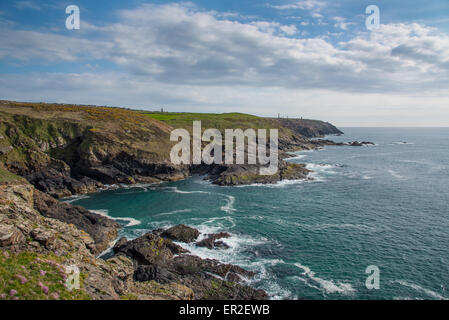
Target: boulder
(154,272)
(211,243)
(10,235)
(120,244)
(149,249)
(181,233)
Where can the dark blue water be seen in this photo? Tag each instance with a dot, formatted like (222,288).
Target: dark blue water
(385,205)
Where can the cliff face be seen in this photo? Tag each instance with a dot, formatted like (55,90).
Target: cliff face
(68,149)
(30,242)
(37,245)
(65,150)
(309,128)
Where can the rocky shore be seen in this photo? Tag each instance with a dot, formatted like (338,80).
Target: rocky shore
(152,266)
(64,150)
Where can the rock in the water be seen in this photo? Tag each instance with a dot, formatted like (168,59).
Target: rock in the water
(149,249)
(181,233)
(160,260)
(210,240)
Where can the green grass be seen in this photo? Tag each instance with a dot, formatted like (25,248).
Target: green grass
(217,121)
(24,275)
(6,176)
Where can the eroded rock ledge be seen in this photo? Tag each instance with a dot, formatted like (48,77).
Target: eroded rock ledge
(149,267)
(159,259)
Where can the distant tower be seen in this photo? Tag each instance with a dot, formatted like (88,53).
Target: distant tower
(279,116)
(162,109)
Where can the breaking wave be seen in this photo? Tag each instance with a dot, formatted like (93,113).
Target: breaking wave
(105,213)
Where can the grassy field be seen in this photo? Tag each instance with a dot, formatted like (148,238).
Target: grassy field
(218,121)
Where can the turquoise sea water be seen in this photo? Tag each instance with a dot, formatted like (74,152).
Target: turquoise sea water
(385,205)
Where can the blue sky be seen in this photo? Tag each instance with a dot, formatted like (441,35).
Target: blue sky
(308,58)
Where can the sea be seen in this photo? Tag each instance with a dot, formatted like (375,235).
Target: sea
(383,207)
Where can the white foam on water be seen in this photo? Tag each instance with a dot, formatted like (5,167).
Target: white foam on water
(229,206)
(418,288)
(176,190)
(172,212)
(105,213)
(278,184)
(307,282)
(275,291)
(367,177)
(320,171)
(297,157)
(395,174)
(75,198)
(236,254)
(327,286)
(109,249)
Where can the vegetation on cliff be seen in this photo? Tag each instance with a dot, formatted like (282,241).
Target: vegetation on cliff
(71,149)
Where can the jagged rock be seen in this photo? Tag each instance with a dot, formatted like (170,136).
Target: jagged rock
(209,279)
(103,230)
(101,280)
(188,264)
(119,244)
(181,233)
(154,272)
(10,236)
(210,240)
(44,237)
(234,175)
(359,144)
(221,245)
(149,249)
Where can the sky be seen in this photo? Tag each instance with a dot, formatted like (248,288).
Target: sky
(314,59)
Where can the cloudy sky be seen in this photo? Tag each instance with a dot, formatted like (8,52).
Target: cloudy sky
(310,58)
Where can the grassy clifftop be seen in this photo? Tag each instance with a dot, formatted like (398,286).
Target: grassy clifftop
(69,149)
(220,121)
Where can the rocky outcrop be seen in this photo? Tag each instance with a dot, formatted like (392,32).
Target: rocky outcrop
(159,259)
(359,144)
(101,229)
(64,150)
(210,241)
(181,233)
(49,241)
(234,175)
(149,249)
(69,149)
(309,128)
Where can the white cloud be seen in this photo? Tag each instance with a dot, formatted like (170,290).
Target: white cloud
(177,55)
(27,5)
(303,5)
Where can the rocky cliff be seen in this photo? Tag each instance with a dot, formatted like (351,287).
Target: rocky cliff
(37,245)
(49,151)
(69,149)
